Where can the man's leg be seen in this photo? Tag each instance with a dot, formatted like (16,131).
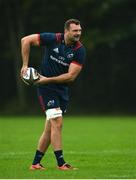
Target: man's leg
(56,135)
(45,138)
(56,139)
(43,145)
(56,142)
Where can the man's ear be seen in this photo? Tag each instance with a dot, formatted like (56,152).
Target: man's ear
(65,30)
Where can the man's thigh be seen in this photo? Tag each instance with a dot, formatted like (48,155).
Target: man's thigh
(48,99)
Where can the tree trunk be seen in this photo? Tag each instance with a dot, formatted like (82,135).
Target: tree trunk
(15,51)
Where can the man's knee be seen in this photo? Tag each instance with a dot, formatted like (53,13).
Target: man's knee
(55,117)
(56,124)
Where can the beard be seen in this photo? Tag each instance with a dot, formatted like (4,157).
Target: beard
(75,38)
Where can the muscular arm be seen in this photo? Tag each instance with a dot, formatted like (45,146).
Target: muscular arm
(73,72)
(26,42)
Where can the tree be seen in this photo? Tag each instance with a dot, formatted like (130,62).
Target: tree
(15,31)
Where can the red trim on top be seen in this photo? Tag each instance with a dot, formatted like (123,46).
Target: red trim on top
(39,40)
(58,37)
(75,62)
(78,45)
(42,103)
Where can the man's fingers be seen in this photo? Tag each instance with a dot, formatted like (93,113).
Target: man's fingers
(23,71)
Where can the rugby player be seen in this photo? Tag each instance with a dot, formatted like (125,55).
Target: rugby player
(62,62)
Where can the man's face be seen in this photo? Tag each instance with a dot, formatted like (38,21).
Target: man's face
(73,33)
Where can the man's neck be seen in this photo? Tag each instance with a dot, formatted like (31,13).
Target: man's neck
(68,42)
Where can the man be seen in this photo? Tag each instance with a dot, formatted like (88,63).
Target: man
(62,62)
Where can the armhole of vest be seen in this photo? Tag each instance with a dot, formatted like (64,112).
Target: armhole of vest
(39,39)
(58,37)
(77,63)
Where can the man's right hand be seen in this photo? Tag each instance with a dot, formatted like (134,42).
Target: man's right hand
(23,70)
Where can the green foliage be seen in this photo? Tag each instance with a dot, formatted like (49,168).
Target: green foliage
(109,34)
(105,21)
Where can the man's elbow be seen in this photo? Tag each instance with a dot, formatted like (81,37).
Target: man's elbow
(23,41)
(71,78)
(26,41)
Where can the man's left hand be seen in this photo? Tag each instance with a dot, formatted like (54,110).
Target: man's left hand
(41,80)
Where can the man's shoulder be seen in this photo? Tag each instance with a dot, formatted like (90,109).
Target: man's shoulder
(50,37)
(78,46)
(59,37)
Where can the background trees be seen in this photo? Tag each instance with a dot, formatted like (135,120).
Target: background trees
(107,83)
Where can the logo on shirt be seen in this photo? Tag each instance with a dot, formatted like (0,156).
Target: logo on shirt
(58,61)
(56,50)
(70,55)
(50,103)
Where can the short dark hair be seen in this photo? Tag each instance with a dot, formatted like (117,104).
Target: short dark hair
(71,21)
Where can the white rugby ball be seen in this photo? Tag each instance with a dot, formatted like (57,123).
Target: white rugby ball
(30,76)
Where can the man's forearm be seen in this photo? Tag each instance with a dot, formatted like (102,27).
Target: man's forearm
(73,72)
(67,77)
(25,52)
(64,78)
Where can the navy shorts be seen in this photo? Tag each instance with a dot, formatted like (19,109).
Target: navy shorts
(51,99)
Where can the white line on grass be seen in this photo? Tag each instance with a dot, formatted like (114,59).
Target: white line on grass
(116,152)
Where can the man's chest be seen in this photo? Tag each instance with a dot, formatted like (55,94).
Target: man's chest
(62,53)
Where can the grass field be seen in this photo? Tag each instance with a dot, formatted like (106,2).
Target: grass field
(101,147)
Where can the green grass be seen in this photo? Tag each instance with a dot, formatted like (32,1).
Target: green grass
(101,147)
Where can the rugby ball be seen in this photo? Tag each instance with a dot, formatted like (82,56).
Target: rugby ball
(30,76)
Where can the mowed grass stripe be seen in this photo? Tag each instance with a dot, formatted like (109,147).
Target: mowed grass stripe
(102,147)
